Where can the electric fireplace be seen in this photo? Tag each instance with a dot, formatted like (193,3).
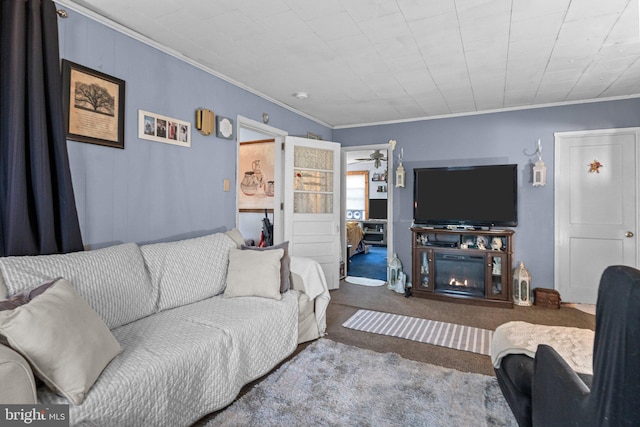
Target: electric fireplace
(460,274)
(466,265)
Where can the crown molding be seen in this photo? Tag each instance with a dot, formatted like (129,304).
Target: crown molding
(494,111)
(172,52)
(165,49)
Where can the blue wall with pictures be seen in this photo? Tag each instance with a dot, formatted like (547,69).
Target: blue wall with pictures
(495,138)
(152,191)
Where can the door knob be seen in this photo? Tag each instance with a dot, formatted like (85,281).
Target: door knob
(629,234)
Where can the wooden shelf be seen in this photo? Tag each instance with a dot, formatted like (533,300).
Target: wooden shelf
(375,232)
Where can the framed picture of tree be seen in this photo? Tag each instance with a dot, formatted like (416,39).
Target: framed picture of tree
(93,105)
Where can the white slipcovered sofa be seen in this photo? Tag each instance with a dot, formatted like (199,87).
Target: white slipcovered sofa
(169,332)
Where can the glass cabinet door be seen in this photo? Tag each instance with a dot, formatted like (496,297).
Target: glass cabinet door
(498,276)
(425,266)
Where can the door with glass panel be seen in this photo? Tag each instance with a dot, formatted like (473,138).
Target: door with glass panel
(312,202)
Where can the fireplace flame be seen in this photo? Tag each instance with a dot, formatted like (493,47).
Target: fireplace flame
(455,282)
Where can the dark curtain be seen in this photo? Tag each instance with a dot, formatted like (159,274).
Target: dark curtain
(37,205)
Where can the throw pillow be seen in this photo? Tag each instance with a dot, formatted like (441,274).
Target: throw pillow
(254,273)
(65,341)
(285,276)
(13,302)
(235,235)
(17,300)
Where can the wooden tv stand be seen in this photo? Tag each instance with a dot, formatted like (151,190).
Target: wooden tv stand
(460,265)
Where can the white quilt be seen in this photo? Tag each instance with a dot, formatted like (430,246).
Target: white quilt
(575,345)
(315,287)
(181,364)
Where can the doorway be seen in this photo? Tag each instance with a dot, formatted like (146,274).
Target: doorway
(247,221)
(367,214)
(299,192)
(596,199)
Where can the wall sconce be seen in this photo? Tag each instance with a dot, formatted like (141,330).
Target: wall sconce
(539,169)
(204,121)
(400,173)
(400,176)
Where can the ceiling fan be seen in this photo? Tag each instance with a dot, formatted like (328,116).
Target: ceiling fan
(377,158)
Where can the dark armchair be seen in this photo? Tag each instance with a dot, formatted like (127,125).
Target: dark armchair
(561,398)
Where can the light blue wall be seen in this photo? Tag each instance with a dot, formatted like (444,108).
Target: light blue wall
(152,191)
(493,139)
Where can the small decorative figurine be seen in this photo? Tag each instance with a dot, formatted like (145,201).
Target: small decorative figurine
(481,242)
(595,166)
(496,243)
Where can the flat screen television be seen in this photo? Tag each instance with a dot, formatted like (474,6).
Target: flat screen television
(377,208)
(470,196)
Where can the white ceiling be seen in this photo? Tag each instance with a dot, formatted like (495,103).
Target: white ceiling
(372,61)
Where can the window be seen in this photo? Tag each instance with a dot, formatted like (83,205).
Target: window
(358,192)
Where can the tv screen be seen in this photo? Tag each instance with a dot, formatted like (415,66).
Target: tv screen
(481,196)
(377,208)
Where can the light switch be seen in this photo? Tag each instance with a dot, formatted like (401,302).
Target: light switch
(226,184)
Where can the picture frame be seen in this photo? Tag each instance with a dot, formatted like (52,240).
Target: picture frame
(256,175)
(93,104)
(224,128)
(158,128)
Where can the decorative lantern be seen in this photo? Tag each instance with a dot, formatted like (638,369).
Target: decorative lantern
(539,174)
(539,169)
(400,176)
(393,272)
(522,285)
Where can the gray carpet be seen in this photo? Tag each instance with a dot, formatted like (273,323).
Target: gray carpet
(333,384)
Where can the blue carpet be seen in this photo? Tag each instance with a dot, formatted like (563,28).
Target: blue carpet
(372,265)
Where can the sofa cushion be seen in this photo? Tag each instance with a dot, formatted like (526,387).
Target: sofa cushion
(254,274)
(112,280)
(188,270)
(181,364)
(285,261)
(15,370)
(65,341)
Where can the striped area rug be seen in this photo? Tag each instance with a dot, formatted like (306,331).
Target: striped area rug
(459,337)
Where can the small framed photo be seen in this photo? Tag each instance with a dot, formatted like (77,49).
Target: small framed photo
(155,127)
(93,105)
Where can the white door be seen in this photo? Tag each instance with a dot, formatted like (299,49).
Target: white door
(312,202)
(595,200)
